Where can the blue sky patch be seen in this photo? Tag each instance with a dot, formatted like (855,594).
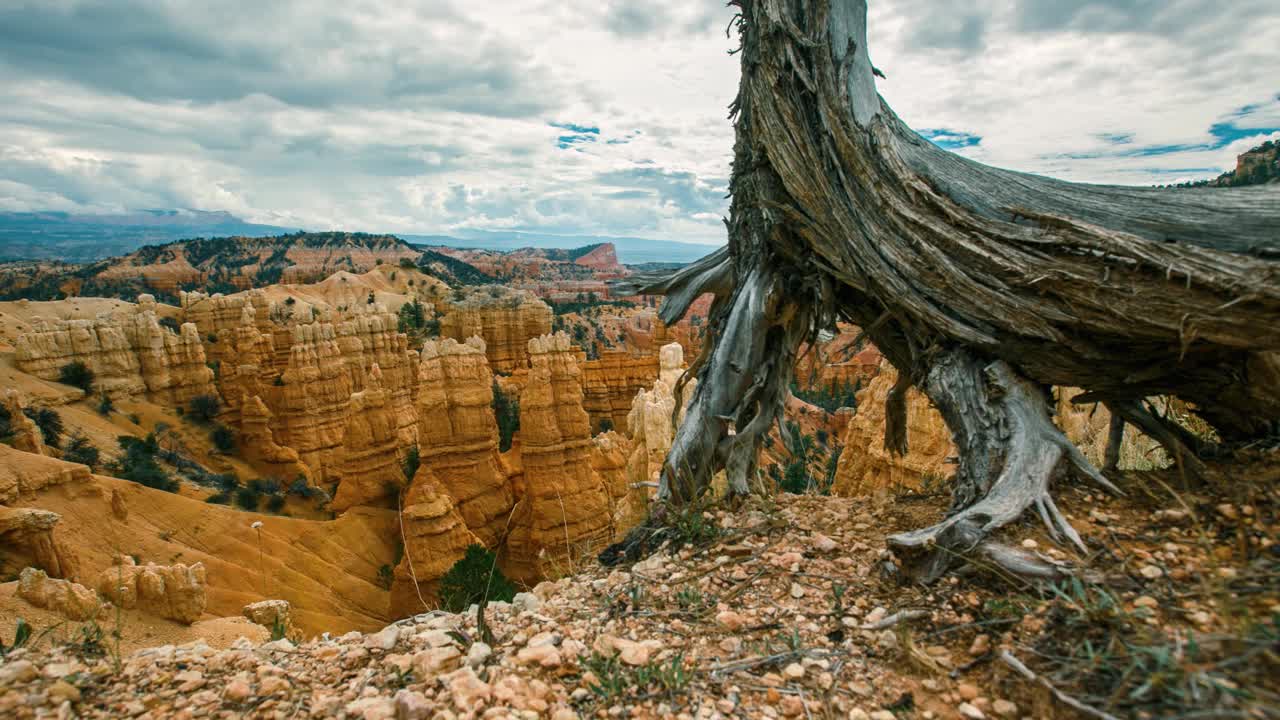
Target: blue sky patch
(951,139)
(577,134)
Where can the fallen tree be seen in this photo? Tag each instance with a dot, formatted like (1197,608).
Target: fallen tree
(982,286)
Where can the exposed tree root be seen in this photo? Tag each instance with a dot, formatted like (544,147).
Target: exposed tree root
(1002,425)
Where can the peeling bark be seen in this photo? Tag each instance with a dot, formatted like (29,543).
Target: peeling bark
(980,285)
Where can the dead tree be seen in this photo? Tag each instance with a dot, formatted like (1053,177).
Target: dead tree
(982,286)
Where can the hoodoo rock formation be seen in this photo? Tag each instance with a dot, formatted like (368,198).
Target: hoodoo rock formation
(458,435)
(370,339)
(314,392)
(370,462)
(563,514)
(610,383)
(866,467)
(651,424)
(31,531)
(174,591)
(25,435)
(506,320)
(258,445)
(216,314)
(435,537)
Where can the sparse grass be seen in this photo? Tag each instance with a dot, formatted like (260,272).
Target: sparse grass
(1111,659)
(655,679)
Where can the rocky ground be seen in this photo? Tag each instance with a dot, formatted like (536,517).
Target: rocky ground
(786,607)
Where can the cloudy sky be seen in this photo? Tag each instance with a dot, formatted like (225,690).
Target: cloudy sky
(577,116)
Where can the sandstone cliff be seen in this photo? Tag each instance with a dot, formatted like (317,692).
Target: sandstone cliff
(458,435)
(505,319)
(130,354)
(562,518)
(610,384)
(174,591)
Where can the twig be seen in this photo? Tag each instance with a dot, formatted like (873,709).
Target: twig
(894,619)
(1008,659)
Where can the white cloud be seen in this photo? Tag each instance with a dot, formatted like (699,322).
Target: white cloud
(433,115)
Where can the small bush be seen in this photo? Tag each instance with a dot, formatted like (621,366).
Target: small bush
(221,498)
(247,499)
(223,438)
(50,424)
(80,450)
(386,577)
(105,405)
(275,503)
(77,374)
(205,407)
(467,581)
(171,324)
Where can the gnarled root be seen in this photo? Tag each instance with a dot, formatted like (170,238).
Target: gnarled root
(1001,423)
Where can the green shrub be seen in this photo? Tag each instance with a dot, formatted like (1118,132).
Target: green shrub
(507,412)
(221,498)
(80,450)
(386,577)
(49,422)
(205,407)
(138,464)
(6,424)
(171,324)
(223,438)
(77,374)
(412,460)
(275,503)
(105,405)
(467,581)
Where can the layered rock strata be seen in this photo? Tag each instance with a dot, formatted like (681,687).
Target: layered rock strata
(129,354)
(23,474)
(610,384)
(505,319)
(458,435)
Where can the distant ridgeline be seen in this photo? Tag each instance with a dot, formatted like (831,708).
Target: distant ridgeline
(70,237)
(226,265)
(232,264)
(1259,166)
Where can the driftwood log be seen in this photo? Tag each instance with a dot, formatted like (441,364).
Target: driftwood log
(982,286)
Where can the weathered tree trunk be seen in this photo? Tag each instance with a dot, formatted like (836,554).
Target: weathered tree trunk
(982,286)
